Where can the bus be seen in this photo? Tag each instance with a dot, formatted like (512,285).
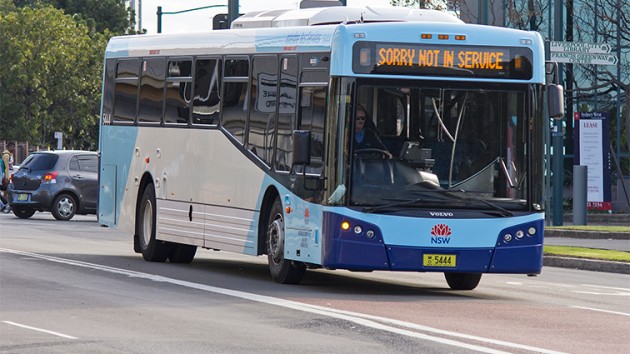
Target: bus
(246,140)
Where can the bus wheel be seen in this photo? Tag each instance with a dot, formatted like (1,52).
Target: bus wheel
(152,250)
(282,270)
(462,281)
(181,253)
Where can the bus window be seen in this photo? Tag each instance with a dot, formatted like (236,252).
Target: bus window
(235,97)
(206,100)
(311,116)
(263,95)
(286,112)
(178,91)
(126,92)
(108,90)
(151,90)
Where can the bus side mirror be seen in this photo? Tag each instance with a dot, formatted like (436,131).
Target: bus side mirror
(301,147)
(555,101)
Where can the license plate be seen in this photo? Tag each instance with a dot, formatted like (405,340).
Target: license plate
(439,260)
(22,197)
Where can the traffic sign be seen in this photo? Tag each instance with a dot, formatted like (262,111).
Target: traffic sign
(577,47)
(582,58)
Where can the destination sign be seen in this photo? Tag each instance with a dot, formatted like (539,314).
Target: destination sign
(446,60)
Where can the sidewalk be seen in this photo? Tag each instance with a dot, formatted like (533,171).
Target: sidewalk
(619,241)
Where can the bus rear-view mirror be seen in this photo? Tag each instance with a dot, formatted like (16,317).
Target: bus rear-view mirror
(555,101)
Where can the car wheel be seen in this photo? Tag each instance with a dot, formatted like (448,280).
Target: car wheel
(64,207)
(23,212)
(152,250)
(462,281)
(282,270)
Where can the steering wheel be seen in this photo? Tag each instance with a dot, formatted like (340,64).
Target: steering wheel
(372,153)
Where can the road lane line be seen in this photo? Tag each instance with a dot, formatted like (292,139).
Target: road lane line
(358,318)
(600,310)
(40,330)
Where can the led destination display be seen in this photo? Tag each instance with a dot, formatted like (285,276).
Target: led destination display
(443,60)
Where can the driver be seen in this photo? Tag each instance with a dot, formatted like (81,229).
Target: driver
(366,138)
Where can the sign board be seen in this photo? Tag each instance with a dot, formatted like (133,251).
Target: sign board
(592,140)
(582,53)
(577,47)
(588,59)
(59,137)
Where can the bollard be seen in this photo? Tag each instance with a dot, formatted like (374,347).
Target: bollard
(580,174)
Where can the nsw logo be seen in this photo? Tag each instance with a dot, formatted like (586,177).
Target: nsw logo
(441,233)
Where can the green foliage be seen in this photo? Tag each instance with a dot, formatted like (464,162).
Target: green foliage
(99,15)
(50,77)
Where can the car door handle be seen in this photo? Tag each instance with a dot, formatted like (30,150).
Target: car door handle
(77,177)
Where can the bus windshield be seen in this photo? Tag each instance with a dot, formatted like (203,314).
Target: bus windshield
(441,146)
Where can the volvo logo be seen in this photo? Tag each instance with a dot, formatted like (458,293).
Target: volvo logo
(447,214)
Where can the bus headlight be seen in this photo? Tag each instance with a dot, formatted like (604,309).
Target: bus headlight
(507,237)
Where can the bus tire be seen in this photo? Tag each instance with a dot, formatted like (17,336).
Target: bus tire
(462,281)
(282,270)
(152,250)
(181,253)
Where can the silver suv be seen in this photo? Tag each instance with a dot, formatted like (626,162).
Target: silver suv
(63,182)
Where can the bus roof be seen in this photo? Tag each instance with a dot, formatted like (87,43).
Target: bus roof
(337,15)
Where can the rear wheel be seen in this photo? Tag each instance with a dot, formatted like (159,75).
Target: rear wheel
(282,270)
(182,253)
(152,250)
(23,212)
(64,207)
(462,281)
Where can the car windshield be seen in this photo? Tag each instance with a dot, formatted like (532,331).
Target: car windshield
(442,147)
(40,162)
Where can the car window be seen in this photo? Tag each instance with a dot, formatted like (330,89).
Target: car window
(40,162)
(84,163)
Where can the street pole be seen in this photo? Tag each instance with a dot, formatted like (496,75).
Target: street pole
(159,22)
(232,11)
(556,135)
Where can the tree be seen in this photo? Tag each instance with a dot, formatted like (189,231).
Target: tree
(101,15)
(50,77)
(421,4)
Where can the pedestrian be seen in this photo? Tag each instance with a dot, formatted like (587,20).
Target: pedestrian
(4,177)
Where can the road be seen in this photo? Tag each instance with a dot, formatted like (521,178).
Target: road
(78,287)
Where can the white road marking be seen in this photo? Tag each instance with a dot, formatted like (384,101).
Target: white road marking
(600,310)
(40,330)
(358,318)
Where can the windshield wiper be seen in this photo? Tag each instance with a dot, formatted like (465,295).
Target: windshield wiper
(503,211)
(402,202)
(398,203)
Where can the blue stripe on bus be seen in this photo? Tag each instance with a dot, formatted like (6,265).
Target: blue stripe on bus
(355,250)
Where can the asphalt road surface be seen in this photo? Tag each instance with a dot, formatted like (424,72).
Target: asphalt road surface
(78,287)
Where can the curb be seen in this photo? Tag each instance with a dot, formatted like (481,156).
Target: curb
(586,264)
(588,234)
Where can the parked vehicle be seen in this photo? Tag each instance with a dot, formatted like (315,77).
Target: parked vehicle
(63,182)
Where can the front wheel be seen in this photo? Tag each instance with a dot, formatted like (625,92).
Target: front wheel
(152,250)
(462,281)
(23,212)
(282,270)
(64,207)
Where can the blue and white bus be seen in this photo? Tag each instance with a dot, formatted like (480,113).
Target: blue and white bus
(245,140)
